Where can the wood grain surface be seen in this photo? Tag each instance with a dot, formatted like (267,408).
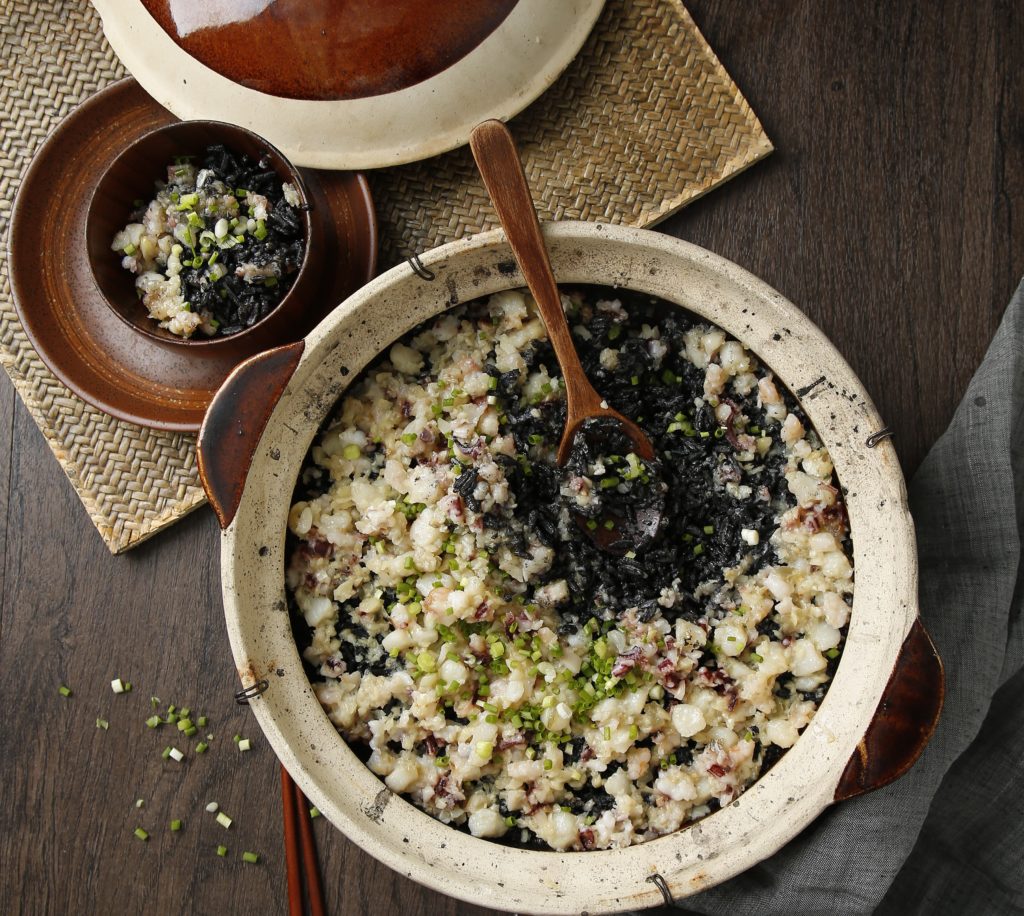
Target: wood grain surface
(891,213)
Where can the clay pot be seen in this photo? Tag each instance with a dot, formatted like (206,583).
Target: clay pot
(877,716)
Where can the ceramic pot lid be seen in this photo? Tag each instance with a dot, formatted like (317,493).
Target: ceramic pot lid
(347,84)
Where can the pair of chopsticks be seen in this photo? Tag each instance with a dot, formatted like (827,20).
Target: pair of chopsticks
(299,847)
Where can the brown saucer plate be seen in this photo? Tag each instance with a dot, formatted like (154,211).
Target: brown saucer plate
(72,328)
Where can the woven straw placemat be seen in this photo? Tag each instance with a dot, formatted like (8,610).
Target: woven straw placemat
(644,121)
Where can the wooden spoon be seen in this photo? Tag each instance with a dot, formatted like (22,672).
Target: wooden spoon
(498,161)
(502,172)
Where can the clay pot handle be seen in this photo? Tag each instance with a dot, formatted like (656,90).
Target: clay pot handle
(234,422)
(904,720)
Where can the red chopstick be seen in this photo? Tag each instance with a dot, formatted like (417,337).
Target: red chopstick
(309,864)
(300,847)
(291,844)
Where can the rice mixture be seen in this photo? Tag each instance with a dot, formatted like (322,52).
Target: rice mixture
(495,667)
(217,248)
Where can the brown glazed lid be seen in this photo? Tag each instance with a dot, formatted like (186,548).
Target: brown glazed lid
(337,71)
(76,333)
(330,50)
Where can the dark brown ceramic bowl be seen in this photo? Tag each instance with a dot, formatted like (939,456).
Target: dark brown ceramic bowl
(132,177)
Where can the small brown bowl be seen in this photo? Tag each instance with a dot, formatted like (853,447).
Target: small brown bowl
(132,177)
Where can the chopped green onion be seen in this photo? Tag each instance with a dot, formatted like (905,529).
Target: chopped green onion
(549,763)
(212,807)
(351,452)
(102,723)
(250,857)
(237,738)
(224,820)
(64,691)
(832,653)
(709,529)
(202,747)
(166,753)
(222,851)
(129,249)
(176,754)
(484,749)
(153,721)
(608,482)
(698,550)
(244,744)
(202,721)
(141,834)
(314,812)
(118,686)
(175,826)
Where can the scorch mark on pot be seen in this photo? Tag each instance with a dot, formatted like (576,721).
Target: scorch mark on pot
(807,389)
(375,810)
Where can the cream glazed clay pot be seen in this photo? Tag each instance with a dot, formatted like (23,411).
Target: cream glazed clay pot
(879,711)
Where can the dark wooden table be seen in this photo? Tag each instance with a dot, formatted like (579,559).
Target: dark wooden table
(892,213)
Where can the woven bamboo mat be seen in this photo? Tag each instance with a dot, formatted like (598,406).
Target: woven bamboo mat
(643,122)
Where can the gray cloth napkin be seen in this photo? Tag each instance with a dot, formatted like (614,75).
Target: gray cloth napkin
(947,838)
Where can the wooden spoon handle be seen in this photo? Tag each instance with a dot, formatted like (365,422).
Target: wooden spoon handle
(502,172)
